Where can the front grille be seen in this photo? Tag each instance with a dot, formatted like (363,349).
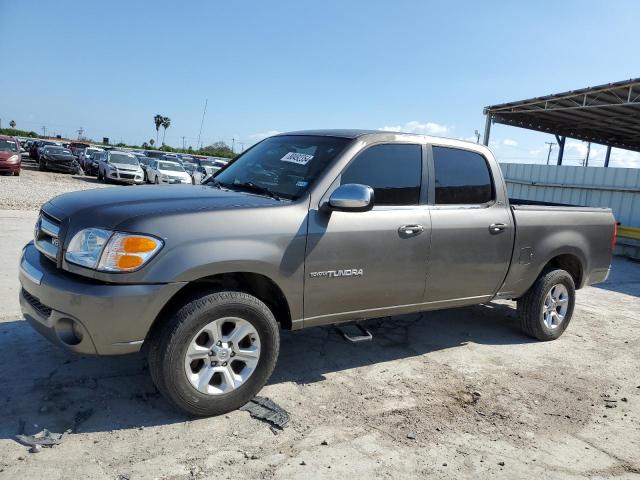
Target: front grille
(47,236)
(35,303)
(127,175)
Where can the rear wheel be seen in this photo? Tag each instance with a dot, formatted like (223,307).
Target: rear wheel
(41,166)
(17,173)
(546,309)
(214,353)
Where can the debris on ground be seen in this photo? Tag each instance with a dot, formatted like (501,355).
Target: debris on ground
(44,438)
(268,411)
(411,436)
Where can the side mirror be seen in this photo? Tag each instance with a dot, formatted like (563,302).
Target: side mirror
(351,197)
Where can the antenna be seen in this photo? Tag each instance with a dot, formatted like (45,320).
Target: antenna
(202,122)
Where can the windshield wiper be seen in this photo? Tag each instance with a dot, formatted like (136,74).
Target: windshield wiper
(251,187)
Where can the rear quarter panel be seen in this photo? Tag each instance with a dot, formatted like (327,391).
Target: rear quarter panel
(544,232)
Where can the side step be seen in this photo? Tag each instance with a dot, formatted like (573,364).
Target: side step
(355,333)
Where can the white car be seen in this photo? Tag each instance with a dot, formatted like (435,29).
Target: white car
(164,171)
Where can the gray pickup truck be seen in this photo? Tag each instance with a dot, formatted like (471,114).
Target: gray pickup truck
(303,229)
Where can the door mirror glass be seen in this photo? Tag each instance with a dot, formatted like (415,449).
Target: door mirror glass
(352,197)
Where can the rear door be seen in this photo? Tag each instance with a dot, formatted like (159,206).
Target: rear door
(472,228)
(361,264)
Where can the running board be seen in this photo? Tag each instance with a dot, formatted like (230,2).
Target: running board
(363,335)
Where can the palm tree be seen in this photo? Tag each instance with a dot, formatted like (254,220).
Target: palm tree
(12,124)
(166,123)
(158,119)
(152,142)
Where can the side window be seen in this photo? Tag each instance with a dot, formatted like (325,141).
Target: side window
(394,171)
(461,177)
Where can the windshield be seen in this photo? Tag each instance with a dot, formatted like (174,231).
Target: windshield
(57,150)
(170,166)
(285,165)
(8,146)
(123,159)
(208,163)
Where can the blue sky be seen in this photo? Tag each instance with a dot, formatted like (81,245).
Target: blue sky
(287,65)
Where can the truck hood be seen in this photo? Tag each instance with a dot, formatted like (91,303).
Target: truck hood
(109,207)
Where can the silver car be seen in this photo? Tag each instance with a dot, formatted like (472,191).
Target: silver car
(119,167)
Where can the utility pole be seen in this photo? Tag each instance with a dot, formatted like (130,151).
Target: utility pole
(183,142)
(477,134)
(551,144)
(233,144)
(80,132)
(586,159)
(44,131)
(241,147)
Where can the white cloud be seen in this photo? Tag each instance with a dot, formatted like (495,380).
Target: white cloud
(429,128)
(263,135)
(509,142)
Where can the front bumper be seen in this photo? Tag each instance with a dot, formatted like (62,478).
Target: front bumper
(86,316)
(175,181)
(59,167)
(116,177)
(9,167)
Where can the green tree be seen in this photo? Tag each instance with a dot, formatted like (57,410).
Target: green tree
(12,124)
(158,119)
(152,142)
(166,123)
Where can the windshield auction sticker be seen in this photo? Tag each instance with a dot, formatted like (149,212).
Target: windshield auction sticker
(298,158)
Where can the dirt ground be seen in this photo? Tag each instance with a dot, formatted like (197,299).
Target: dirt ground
(449,394)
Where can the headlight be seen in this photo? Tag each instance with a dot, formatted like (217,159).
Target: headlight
(86,246)
(109,251)
(13,159)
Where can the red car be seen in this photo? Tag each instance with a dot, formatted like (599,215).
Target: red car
(10,158)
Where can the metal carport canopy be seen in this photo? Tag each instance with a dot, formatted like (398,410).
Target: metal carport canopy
(608,114)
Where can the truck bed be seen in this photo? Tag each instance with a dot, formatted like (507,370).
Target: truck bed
(545,230)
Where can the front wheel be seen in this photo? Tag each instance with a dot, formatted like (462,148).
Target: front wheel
(546,309)
(214,353)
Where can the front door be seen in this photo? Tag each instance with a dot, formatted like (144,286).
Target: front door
(364,264)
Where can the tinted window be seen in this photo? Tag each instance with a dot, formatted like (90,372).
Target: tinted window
(462,177)
(393,171)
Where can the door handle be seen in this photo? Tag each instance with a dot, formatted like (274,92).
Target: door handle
(411,229)
(497,227)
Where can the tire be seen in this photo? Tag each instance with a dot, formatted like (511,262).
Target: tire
(168,345)
(17,173)
(157,182)
(531,306)
(41,166)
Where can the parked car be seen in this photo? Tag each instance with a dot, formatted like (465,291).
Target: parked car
(118,166)
(60,159)
(200,169)
(154,153)
(10,157)
(36,148)
(144,164)
(163,171)
(301,230)
(77,148)
(85,158)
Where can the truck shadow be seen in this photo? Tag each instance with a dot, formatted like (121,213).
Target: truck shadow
(42,386)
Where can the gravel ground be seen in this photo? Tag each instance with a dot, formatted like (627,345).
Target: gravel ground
(449,394)
(33,188)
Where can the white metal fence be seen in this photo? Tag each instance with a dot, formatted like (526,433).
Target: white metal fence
(617,188)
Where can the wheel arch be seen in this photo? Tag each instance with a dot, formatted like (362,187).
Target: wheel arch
(256,284)
(569,262)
